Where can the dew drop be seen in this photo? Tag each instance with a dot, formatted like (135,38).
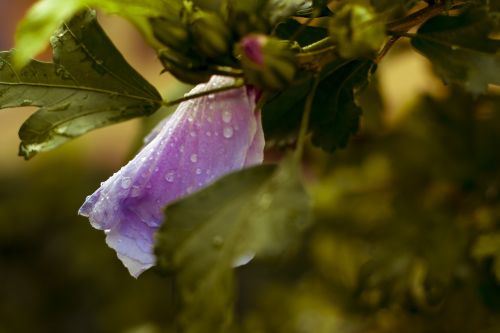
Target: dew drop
(228,132)
(135,192)
(170,176)
(194,158)
(198,171)
(208,134)
(243,259)
(181,148)
(126,182)
(26,102)
(218,241)
(190,119)
(193,134)
(211,96)
(226,116)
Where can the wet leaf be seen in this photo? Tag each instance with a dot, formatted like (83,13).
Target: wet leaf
(256,212)
(88,86)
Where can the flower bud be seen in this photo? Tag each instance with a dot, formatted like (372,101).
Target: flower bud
(246,16)
(172,28)
(268,62)
(357,31)
(210,33)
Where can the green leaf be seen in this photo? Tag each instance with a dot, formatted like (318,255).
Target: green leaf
(336,114)
(47,15)
(88,86)
(461,50)
(308,36)
(254,212)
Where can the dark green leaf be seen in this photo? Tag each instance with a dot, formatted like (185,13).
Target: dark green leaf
(308,36)
(88,86)
(255,212)
(461,50)
(336,114)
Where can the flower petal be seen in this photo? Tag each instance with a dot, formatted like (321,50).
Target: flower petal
(202,140)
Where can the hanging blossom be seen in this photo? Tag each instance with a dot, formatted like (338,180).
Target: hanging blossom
(202,140)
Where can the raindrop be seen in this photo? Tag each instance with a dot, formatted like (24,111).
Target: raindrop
(194,158)
(198,171)
(193,134)
(136,191)
(170,176)
(228,132)
(218,241)
(208,133)
(190,119)
(26,102)
(99,62)
(243,259)
(226,116)
(211,96)
(126,182)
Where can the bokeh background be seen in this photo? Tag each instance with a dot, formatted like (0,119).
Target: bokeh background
(404,237)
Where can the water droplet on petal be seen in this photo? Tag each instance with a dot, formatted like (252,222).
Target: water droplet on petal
(198,171)
(211,96)
(193,134)
(243,259)
(228,132)
(208,134)
(194,158)
(226,116)
(170,176)
(181,148)
(190,119)
(135,192)
(126,182)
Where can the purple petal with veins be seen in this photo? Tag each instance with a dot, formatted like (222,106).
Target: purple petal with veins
(202,140)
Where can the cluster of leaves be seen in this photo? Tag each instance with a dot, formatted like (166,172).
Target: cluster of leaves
(261,211)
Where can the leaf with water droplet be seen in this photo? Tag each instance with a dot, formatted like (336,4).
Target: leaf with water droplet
(226,225)
(74,95)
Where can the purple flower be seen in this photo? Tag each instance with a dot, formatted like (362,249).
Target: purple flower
(202,140)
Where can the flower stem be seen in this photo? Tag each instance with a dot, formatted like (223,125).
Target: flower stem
(304,125)
(237,84)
